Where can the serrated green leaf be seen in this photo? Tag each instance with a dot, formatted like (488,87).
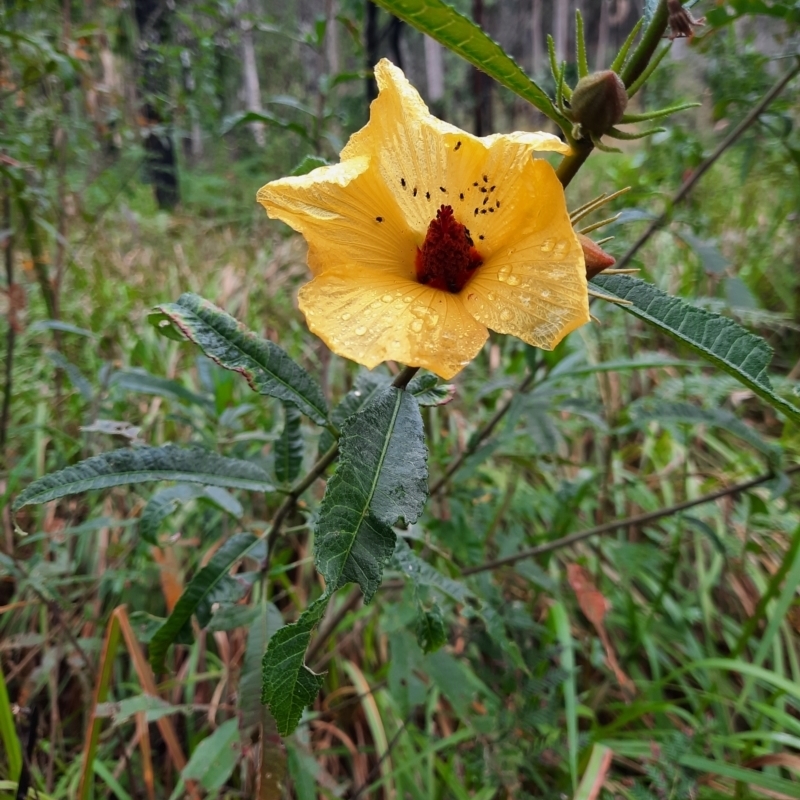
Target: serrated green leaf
(201,585)
(716,338)
(215,758)
(263,627)
(289,446)
(288,685)
(430,629)
(420,573)
(426,388)
(141,464)
(382,477)
(459,34)
(267,368)
(663,411)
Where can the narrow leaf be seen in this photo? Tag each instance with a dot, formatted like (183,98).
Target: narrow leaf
(288,685)
(289,446)
(128,466)
(662,411)
(267,368)
(259,633)
(198,589)
(719,339)
(382,477)
(459,34)
(215,758)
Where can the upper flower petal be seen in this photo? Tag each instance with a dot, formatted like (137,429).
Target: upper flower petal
(371,317)
(426,162)
(532,283)
(346,215)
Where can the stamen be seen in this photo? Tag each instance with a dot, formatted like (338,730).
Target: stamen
(403,182)
(415,191)
(447,258)
(457,146)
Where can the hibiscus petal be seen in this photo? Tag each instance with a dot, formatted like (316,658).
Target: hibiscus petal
(427,163)
(346,215)
(532,283)
(372,317)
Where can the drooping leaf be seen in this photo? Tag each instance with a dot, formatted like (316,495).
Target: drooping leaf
(430,629)
(426,388)
(459,34)
(382,477)
(663,411)
(260,631)
(267,368)
(288,685)
(215,758)
(421,573)
(289,446)
(201,585)
(719,339)
(139,380)
(141,464)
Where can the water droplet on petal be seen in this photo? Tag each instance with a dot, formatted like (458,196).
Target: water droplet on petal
(513,280)
(407,299)
(547,245)
(360,330)
(506,315)
(416,325)
(387,298)
(503,273)
(545,293)
(346,316)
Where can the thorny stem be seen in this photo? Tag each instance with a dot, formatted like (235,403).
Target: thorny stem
(640,519)
(636,65)
(689,184)
(485,431)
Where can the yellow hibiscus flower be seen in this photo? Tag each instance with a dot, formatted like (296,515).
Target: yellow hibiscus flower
(424,236)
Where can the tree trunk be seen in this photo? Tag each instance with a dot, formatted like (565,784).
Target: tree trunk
(561,29)
(602,36)
(371,47)
(434,70)
(331,38)
(481,85)
(252,87)
(537,37)
(152,18)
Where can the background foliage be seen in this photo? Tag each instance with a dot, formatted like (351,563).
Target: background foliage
(656,658)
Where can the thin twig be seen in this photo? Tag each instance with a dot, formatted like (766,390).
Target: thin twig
(689,184)
(640,519)
(479,437)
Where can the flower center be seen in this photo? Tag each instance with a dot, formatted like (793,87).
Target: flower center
(447,258)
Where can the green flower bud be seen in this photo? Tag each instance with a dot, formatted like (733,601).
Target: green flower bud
(598,102)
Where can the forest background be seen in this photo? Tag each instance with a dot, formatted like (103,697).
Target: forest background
(646,646)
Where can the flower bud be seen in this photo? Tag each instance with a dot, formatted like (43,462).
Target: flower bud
(595,257)
(598,102)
